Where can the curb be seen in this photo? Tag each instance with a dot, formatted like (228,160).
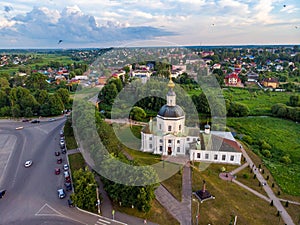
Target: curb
(94,214)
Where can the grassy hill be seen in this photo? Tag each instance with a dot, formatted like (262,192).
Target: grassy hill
(283,137)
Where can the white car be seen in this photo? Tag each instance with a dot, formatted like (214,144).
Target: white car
(19,128)
(66,167)
(28,163)
(61,193)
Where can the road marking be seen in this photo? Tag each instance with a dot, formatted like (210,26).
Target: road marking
(100,223)
(103,221)
(50,211)
(47,210)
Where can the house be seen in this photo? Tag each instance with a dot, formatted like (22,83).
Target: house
(102,80)
(270,82)
(252,77)
(144,75)
(232,80)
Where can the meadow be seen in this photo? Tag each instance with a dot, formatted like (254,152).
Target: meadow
(259,102)
(283,137)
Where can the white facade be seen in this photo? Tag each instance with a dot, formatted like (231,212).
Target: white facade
(168,135)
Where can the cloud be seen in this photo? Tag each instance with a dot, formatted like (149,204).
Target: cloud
(8,8)
(74,26)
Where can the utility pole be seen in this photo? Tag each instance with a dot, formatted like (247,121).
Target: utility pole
(98,200)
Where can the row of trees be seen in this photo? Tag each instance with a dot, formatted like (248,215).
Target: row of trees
(110,162)
(20,102)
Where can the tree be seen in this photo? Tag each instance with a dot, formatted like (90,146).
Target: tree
(3,82)
(64,95)
(56,105)
(108,93)
(36,81)
(84,189)
(294,100)
(137,113)
(238,110)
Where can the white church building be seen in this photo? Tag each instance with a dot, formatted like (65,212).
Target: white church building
(167,135)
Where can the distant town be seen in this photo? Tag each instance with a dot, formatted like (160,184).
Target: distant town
(180,169)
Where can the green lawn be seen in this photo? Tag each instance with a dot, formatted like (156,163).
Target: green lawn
(76,161)
(229,199)
(283,136)
(69,136)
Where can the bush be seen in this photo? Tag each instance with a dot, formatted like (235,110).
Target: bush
(266,153)
(245,175)
(285,159)
(247,139)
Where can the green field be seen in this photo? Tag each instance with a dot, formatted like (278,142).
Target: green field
(259,101)
(283,136)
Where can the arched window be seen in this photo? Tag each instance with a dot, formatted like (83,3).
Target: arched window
(179,126)
(169,128)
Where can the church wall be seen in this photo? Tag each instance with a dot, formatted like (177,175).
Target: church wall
(163,125)
(222,157)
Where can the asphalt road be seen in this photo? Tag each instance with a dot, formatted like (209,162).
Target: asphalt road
(31,193)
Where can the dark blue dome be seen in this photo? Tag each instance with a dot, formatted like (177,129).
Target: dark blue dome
(171,111)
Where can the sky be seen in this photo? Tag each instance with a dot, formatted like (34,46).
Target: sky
(117,23)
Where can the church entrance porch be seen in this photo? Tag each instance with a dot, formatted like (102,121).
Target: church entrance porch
(169,150)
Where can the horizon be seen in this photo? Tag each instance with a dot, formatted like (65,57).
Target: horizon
(101,24)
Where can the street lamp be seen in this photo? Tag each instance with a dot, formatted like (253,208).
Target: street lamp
(197,210)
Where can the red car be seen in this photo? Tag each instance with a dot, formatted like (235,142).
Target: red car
(57,171)
(59,161)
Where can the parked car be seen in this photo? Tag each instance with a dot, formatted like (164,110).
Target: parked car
(57,153)
(28,163)
(64,151)
(66,167)
(57,171)
(61,193)
(35,121)
(25,120)
(68,186)
(59,160)
(61,133)
(70,203)
(51,119)
(19,128)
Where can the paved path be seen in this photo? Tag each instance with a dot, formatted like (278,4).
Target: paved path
(240,168)
(179,210)
(276,201)
(251,190)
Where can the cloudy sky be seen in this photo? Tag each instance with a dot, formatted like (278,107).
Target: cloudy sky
(113,23)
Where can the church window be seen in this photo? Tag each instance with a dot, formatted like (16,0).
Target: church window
(150,138)
(150,146)
(215,157)
(160,148)
(198,155)
(160,126)
(223,157)
(231,157)
(194,139)
(180,127)
(161,140)
(169,128)
(178,149)
(178,141)
(169,141)
(188,139)
(206,156)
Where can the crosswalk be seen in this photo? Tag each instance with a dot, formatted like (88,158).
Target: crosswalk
(102,222)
